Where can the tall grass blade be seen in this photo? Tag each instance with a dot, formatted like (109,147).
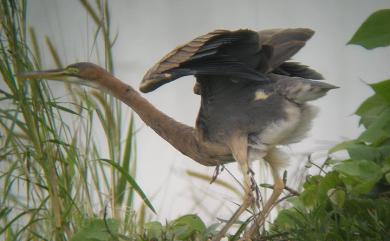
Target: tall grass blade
(121,188)
(132,182)
(53,53)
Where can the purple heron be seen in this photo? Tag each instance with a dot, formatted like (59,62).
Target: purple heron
(253,99)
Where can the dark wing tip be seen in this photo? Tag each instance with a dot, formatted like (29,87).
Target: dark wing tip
(278,35)
(284,42)
(303,34)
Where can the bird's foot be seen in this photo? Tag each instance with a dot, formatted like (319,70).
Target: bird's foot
(254,188)
(260,218)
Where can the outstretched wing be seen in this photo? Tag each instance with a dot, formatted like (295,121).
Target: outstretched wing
(285,43)
(243,54)
(223,53)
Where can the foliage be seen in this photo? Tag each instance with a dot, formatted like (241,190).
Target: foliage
(352,200)
(97,230)
(187,227)
(54,183)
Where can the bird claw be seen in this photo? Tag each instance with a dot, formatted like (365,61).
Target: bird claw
(256,190)
(254,187)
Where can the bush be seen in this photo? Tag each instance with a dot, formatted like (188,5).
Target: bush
(352,200)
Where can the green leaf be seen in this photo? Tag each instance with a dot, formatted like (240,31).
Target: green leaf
(316,189)
(334,236)
(363,152)
(386,169)
(188,225)
(342,146)
(296,202)
(365,170)
(309,196)
(378,130)
(387,176)
(373,106)
(153,230)
(336,196)
(132,183)
(288,219)
(97,230)
(359,175)
(382,89)
(370,109)
(370,103)
(374,32)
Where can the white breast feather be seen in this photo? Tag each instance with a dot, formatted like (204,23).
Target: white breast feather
(292,129)
(277,132)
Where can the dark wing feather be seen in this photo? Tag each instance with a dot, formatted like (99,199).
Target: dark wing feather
(243,54)
(222,53)
(284,43)
(295,69)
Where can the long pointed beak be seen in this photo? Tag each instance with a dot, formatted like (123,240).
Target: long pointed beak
(54,74)
(62,75)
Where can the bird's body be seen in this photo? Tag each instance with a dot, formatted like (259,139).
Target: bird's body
(258,110)
(252,100)
(247,88)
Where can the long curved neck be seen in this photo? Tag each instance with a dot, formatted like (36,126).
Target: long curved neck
(177,134)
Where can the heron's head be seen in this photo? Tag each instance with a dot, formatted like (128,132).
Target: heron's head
(82,73)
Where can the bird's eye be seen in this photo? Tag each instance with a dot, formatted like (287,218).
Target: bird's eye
(72,70)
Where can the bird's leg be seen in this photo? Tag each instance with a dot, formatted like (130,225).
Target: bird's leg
(239,149)
(248,199)
(277,191)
